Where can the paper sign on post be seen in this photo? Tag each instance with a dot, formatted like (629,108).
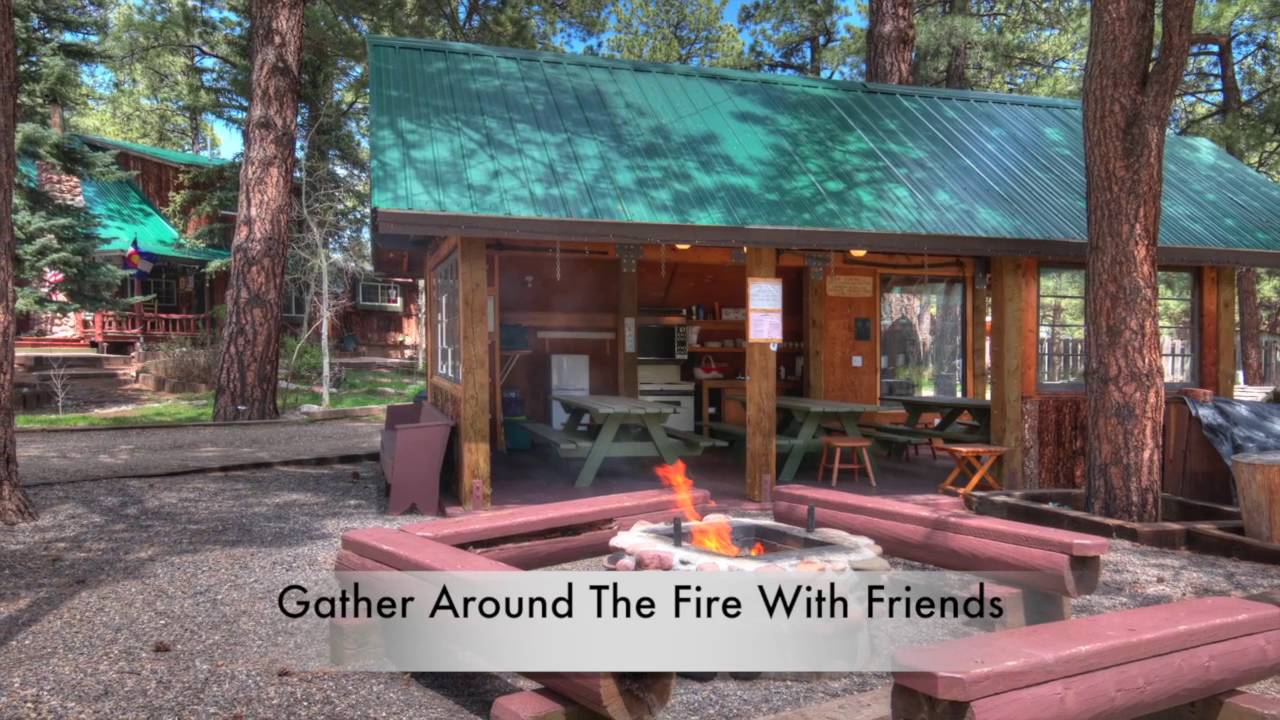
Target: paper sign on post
(764,310)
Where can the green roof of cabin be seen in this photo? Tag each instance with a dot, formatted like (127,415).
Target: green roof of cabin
(465,135)
(173,157)
(124,214)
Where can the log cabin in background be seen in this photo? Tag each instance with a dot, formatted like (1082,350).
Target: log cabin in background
(928,241)
(182,294)
(380,318)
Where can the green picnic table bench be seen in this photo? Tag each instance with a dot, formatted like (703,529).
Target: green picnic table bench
(620,427)
(950,426)
(801,432)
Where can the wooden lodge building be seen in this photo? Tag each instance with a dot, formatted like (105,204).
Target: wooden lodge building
(381,318)
(928,242)
(134,210)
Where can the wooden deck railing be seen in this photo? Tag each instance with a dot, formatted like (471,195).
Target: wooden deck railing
(150,324)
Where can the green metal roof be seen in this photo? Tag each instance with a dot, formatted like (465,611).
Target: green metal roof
(174,157)
(124,215)
(475,138)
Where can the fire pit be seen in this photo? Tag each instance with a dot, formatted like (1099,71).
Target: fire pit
(721,542)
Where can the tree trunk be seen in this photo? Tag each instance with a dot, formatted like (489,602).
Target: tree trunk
(326,310)
(958,63)
(249,367)
(1127,99)
(1250,325)
(891,37)
(14,505)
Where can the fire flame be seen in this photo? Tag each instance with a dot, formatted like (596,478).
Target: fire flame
(714,536)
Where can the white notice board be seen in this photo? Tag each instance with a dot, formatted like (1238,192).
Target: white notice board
(764,309)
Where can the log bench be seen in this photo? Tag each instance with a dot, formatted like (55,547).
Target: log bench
(1058,564)
(527,538)
(1161,659)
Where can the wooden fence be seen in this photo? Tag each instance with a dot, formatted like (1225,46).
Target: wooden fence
(1062,360)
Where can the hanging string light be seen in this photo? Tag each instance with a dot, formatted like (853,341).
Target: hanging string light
(557,261)
(662,255)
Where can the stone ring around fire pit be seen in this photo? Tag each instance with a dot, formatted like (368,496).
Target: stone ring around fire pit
(741,544)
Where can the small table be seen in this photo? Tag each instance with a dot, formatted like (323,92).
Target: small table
(974,460)
(949,410)
(807,416)
(610,413)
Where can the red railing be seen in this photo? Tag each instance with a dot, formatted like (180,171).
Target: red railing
(153,324)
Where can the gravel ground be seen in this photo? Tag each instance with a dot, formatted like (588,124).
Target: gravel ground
(50,457)
(116,569)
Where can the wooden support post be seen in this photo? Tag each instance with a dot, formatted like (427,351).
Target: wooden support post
(762,391)
(815,296)
(1009,306)
(628,308)
(978,339)
(495,357)
(473,426)
(1226,331)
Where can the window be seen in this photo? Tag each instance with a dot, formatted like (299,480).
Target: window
(1061,350)
(164,289)
(922,336)
(1177,326)
(448,350)
(1060,341)
(379,296)
(295,303)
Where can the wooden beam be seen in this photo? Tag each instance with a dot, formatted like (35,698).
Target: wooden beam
(1009,305)
(1226,331)
(628,308)
(762,392)
(1208,300)
(815,297)
(977,340)
(473,425)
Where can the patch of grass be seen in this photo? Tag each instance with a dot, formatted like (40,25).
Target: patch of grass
(161,414)
(359,387)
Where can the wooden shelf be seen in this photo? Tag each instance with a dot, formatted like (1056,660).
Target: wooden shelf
(705,349)
(719,324)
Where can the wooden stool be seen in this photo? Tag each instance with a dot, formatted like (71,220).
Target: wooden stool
(974,460)
(857,446)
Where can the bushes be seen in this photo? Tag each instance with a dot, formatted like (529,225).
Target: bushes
(192,360)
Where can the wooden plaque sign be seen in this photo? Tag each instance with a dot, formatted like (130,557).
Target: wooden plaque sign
(764,309)
(850,286)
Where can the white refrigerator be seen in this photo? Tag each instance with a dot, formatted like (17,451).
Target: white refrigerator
(570,375)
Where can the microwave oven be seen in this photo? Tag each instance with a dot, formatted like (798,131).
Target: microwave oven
(662,342)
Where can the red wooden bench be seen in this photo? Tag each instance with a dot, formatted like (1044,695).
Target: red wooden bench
(1118,665)
(1055,564)
(525,538)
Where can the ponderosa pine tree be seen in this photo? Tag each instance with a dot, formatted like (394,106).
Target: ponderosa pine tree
(687,32)
(1128,95)
(249,365)
(47,44)
(891,37)
(801,37)
(14,505)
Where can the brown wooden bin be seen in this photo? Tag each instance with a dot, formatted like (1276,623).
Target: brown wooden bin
(415,438)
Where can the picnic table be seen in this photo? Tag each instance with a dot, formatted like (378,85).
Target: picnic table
(619,427)
(799,434)
(950,410)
